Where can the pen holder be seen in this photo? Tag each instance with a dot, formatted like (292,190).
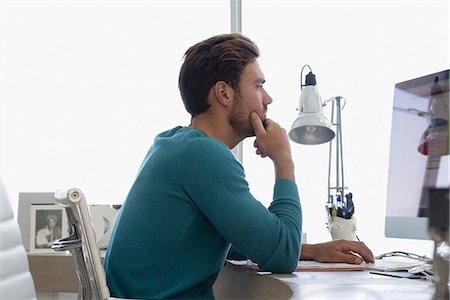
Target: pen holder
(342,229)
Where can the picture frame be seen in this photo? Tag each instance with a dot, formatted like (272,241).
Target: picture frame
(48,223)
(26,200)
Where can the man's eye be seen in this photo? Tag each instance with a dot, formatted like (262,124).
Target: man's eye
(261,83)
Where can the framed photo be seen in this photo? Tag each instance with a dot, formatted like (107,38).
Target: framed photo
(47,224)
(26,200)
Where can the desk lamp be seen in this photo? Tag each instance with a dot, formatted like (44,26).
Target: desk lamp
(312,128)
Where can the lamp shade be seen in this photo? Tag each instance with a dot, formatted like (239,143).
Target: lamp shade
(311,127)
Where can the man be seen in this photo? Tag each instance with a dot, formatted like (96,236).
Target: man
(190,200)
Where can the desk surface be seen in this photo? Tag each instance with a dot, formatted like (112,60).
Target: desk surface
(355,285)
(56,273)
(320,285)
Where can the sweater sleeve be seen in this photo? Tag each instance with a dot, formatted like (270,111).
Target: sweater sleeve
(216,184)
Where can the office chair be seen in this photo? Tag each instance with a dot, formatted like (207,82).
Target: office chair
(83,246)
(16,281)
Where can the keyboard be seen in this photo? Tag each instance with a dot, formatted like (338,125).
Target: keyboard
(387,265)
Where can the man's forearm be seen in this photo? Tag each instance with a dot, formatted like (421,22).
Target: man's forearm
(284,169)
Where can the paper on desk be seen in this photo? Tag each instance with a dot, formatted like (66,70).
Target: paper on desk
(392,265)
(302,266)
(308,266)
(378,265)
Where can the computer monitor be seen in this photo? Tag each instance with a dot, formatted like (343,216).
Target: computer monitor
(419,153)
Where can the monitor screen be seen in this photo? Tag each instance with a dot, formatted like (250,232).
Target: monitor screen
(419,153)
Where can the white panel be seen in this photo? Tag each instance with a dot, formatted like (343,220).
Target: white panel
(86,86)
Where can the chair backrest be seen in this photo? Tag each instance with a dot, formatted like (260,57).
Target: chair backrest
(82,244)
(15,278)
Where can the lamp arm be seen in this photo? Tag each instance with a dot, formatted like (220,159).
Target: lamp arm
(340,185)
(340,143)
(330,199)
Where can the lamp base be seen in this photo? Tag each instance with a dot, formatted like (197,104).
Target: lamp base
(342,229)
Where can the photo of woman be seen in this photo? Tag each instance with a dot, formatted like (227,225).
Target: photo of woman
(48,224)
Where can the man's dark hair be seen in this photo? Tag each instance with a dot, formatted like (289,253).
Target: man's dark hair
(219,58)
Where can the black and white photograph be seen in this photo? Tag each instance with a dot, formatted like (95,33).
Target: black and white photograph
(48,224)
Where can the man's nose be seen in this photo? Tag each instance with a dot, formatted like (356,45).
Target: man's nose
(267,99)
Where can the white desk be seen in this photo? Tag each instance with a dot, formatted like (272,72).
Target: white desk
(55,273)
(355,285)
(238,284)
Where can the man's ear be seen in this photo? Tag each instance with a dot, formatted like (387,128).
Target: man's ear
(223,93)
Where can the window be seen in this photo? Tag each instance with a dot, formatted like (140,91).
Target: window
(357,50)
(87,85)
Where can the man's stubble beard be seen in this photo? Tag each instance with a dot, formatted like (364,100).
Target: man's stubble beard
(239,121)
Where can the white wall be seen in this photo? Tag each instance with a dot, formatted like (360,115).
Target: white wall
(358,50)
(85,86)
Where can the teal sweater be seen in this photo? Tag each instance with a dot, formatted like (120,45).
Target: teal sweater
(188,204)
